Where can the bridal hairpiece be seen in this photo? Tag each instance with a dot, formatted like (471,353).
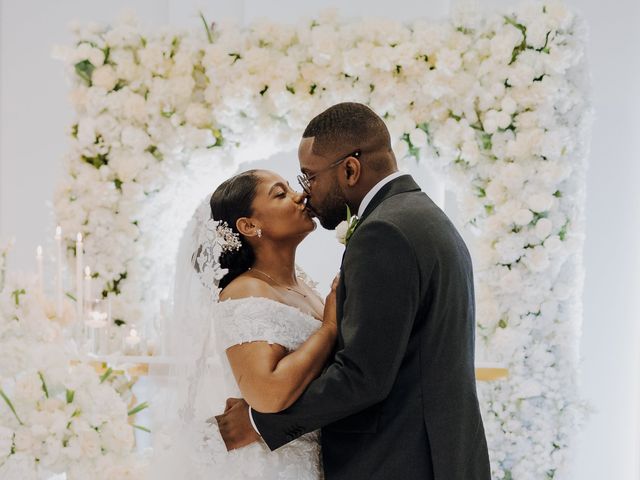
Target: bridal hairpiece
(230,240)
(215,239)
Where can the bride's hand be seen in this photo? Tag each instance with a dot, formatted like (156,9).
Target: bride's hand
(330,315)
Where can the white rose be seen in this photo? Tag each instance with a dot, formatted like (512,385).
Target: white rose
(508,105)
(553,244)
(96,57)
(523,217)
(537,259)
(104,77)
(510,248)
(86,131)
(29,388)
(24,440)
(540,202)
(127,165)
(341,232)
(117,437)
(89,442)
(418,137)
(135,138)
(198,115)
(543,228)
(490,122)
(401,149)
(6,441)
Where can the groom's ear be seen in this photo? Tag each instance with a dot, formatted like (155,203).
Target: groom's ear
(352,171)
(246,227)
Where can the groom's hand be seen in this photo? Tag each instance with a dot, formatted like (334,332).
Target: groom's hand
(235,426)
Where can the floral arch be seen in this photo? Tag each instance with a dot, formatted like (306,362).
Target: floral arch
(494,102)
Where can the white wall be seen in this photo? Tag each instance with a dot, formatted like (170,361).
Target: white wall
(35,115)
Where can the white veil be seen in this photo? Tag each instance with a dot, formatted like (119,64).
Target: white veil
(191,386)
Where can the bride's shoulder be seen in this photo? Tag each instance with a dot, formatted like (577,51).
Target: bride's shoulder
(246,286)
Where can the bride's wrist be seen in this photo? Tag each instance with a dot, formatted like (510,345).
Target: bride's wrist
(330,328)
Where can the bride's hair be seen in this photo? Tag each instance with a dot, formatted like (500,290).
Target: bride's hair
(232,200)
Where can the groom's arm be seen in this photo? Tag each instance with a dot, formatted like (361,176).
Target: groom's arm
(382,282)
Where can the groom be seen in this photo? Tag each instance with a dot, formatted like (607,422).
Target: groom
(398,400)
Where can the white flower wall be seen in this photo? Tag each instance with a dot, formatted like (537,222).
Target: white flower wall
(496,102)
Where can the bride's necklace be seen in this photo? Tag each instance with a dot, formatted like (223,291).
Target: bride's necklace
(291,289)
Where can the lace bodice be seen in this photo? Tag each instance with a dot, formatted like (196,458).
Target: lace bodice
(246,320)
(252,319)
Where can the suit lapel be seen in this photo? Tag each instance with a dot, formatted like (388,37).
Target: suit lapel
(402,184)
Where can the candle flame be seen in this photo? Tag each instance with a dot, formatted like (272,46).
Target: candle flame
(58,231)
(39,251)
(79,237)
(87,271)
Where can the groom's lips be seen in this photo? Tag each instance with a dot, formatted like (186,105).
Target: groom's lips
(310,211)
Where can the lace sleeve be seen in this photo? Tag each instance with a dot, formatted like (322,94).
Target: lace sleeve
(261,319)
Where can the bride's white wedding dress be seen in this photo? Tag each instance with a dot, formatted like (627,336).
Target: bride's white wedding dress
(193,386)
(248,320)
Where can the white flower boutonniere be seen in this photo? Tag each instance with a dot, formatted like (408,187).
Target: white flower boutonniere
(345,229)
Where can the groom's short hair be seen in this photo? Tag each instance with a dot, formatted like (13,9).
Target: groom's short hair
(347,125)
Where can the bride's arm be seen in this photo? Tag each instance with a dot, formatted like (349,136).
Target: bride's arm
(271,379)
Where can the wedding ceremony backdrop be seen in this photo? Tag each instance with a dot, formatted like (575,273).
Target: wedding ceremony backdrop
(496,101)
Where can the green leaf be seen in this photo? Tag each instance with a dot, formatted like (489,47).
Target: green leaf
(502,323)
(563,231)
(140,427)
(106,374)
(264,90)
(85,69)
(44,385)
(312,89)
(8,402)
(206,28)
(70,394)
(486,141)
(290,89)
(138,408)
(16,295)
(97,161)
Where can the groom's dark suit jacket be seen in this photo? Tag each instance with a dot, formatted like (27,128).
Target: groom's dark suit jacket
(398,401)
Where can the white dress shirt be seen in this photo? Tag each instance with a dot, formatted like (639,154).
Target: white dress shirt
(363,206)
(376,188)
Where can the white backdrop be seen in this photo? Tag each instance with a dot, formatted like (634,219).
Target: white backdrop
(35,115)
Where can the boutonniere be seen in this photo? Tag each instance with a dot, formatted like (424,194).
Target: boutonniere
(345,229)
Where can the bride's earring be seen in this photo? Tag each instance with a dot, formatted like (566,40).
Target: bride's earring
(259,233)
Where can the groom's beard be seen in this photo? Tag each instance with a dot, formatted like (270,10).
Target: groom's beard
(333,209)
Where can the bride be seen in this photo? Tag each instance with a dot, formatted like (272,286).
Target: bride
(246,324)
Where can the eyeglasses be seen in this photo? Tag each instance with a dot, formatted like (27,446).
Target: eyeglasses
(305,180)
